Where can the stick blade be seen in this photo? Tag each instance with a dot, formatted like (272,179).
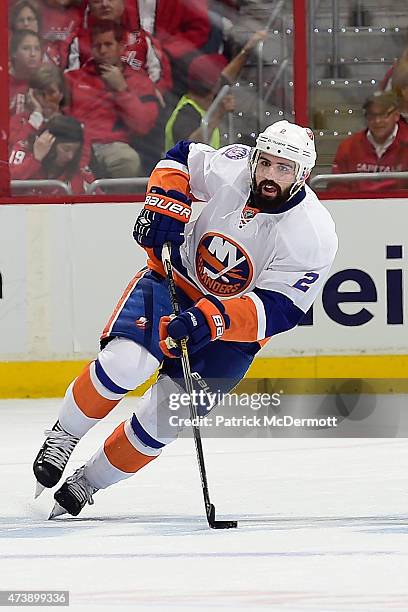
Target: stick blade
(224,525)
(219,524)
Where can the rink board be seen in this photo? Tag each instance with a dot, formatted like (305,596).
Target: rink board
(63,267)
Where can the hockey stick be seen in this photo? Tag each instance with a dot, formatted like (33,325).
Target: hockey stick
(188,380)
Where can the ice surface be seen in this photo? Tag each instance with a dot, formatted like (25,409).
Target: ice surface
(323,524)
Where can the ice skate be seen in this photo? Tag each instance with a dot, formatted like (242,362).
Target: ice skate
(73,495)
(52,458)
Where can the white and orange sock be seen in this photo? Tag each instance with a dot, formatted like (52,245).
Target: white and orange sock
(138,440)
(120,367)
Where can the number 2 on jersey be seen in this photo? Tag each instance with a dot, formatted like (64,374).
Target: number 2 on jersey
(304,283)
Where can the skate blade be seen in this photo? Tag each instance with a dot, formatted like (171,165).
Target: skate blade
(39,488)
(57,511)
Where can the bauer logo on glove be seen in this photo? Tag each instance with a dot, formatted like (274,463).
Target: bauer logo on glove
(219,325)
(193,319)
(200,324)
(167,206)
(163,218)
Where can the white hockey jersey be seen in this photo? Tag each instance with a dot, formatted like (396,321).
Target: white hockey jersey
(268,267)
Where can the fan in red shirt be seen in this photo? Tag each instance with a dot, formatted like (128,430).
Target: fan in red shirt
(115,104)
(44,100)
(61,21)
(25,57)
(382,147)
(54,153)
(26,15)
(140,50)
(181,26)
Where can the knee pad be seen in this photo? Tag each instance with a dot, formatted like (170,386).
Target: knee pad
(126,364)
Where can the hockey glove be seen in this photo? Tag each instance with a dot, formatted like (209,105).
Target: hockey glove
(200,324)
(163,218)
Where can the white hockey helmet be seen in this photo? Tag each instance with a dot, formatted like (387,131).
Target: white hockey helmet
(291,141)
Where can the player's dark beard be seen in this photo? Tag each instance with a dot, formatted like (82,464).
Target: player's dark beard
(270,204)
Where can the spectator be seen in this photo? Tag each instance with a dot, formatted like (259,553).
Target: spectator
(222,37)
(140,50)
(382,147)
(62,20)
(26,51)
(207,73)
(204,80)
(54,153)
(47,91)
(399,84)
(24,15)
(386,84)
(114,103)
(44,100)
(181,26)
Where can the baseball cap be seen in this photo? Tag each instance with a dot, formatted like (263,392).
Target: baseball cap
(384,99)
(205,70)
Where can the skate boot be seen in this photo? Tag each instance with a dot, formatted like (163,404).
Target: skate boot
(74,494)
(53,457)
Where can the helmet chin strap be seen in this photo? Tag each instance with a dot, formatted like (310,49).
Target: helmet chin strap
(297,186)
(253,162)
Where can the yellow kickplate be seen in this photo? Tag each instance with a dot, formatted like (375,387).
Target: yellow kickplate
(358,373)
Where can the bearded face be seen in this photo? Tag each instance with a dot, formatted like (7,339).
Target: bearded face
(270,196)
(274,177)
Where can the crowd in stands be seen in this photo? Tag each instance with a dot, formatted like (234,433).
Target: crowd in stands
(101,88)
(97,86)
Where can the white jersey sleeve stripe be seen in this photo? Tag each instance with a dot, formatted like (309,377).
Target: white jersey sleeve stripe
(260,310)
(169,163)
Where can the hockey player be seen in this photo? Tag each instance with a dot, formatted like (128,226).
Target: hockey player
(248,268)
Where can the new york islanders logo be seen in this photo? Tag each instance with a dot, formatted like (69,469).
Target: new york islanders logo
(236,152)
(222,266)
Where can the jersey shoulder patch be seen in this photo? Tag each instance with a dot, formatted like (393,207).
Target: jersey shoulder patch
(236,151)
